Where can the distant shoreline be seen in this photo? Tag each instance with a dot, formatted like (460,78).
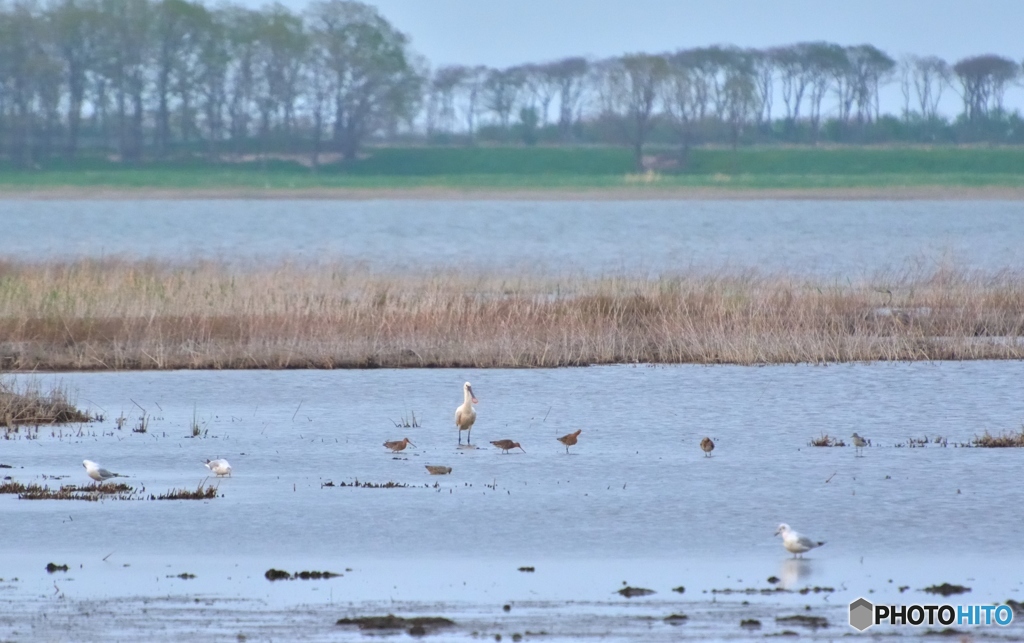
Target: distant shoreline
(442,193)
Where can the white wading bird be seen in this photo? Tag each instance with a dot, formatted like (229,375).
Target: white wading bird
(219,466)
(98,473)
(794,542)
(465,415)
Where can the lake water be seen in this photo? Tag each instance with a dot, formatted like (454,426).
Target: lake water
(841,238)
(634,501)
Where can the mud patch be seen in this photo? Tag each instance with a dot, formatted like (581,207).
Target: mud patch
(417,625)
(946,589)
(631,592)
(813,622)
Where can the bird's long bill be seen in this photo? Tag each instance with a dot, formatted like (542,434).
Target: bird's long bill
(410,443)
(472,396)
(778,531)
(522,449)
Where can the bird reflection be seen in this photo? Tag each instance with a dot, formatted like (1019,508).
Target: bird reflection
(794,572)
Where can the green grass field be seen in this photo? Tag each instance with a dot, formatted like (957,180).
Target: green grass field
(554,168)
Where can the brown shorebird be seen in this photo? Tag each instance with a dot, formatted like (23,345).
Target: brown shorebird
(707,446)
(858,443)
(436,470)
(569,440)
(398,445)
(465,415)
(506,445)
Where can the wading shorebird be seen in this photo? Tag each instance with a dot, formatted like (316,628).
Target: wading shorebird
(507,445)
(570,439)
(707,446)
(398,445)
(465,415)
(98,473)
(219,466)
(858,444)
(794,542)
(438,471)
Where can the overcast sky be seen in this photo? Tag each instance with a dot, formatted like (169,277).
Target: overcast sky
(506,32)
(500,33)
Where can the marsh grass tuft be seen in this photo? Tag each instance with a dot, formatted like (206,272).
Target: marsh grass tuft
(114,314)
(1000,441)
(407,422)
(199,493)
(28,404)
(826,440)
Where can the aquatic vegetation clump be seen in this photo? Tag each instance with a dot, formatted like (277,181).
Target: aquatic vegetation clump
(29,404)
(826,440)
(1003,440)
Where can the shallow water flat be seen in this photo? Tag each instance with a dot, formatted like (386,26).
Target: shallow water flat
(635,500)
(844,238)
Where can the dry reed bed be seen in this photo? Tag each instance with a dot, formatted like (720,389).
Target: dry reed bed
(132,315)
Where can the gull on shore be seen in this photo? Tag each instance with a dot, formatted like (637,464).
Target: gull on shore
(219,466)
(98,473)
(795,543)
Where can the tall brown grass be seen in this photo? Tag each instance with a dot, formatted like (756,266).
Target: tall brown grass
(141,315)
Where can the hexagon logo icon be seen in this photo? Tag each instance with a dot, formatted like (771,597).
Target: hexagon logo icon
(862,614)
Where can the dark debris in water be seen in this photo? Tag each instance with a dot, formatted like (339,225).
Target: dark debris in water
(775,590)
(679,590)
(751,623)
(676,619)
(370,485)
(527,569)
(277,574)
(1016,606)
(773,579)
(813,622)
(630,592)
(53,567)
(392,622)
(946,589)
(182,576)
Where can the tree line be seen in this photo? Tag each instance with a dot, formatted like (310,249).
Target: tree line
(156,79)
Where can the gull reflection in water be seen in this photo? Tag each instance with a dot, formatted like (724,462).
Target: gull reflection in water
(794,573)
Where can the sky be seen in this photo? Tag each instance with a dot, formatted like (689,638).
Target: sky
(507,32)
(501,33)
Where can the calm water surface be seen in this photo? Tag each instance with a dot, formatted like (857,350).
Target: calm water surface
(848,238)
(635,501)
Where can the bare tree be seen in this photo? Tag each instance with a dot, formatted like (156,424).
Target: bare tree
(372,75)
(75,28)
(931,75)
(764,70)
(636,82)
(983,81)
(501,90)
(569,77)
(680,102)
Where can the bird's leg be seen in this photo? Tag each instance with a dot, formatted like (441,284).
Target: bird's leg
(460,437)
(469,435)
